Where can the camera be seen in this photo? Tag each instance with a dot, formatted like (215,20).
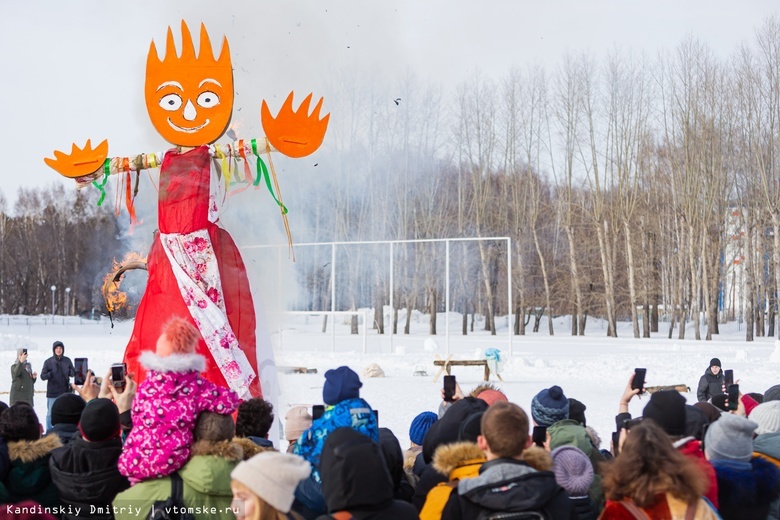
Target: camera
(118,373)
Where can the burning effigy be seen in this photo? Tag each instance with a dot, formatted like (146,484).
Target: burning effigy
(195,269)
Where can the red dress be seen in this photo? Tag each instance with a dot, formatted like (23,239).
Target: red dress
(183,208)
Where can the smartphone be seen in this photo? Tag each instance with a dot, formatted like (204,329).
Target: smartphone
(733,397)
(24,351)
(118,373)
(317,410)
(82,365)
(729,377)
(449,388)
(376,415)
(630,423)
(638,382)
(539,436)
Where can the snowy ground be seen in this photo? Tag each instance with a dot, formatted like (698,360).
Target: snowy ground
(593,369)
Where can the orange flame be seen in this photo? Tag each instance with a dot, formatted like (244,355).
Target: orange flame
(115,298)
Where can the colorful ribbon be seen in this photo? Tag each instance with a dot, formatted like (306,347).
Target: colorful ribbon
(262,170)
(102,186)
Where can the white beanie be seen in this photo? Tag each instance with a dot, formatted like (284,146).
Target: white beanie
(273,476)
(767,416)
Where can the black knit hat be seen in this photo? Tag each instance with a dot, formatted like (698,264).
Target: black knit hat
(667,409)
(100,421)
(19,423)
(714,362)
(577,411)
(67,409)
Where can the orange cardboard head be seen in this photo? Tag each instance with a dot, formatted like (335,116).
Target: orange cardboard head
(189,98)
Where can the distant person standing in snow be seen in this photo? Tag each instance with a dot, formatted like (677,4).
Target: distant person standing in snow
(711,383)
(57,370)
(22,378)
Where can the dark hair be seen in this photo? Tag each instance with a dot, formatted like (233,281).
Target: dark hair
(254,418)
(19,423)
(649,464)
(505,428)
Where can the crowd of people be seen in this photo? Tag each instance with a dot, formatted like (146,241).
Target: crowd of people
(177,443)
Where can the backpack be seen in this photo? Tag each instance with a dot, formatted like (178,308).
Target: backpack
(164,509)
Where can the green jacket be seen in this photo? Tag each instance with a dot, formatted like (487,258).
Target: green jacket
(21,383)
(28,477)
(206,479)
(571,433)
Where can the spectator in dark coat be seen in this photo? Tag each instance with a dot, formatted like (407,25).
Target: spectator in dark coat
(65,416)
(711,383)
(57,370)
(5,463)
(574,473)
(355,479)
(394,458)
(85,471)
(28,475)
(22,378)
(747,484)
(506,483)
(253,420)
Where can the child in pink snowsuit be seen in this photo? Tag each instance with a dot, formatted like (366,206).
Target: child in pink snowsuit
(168,403)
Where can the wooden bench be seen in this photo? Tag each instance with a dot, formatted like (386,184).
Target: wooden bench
(446,365)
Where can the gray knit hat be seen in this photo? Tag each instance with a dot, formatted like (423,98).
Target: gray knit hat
(573,470)
(273,476)
(772,393)
(730,438)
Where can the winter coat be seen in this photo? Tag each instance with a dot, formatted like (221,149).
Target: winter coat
(22,383)
(746,489)
(584,508)
(355,479)
(65,431)
(444,431)
(691,448)
(665,506)
(205,478)
(394,458)
(456,462)
(509,485)
(571,433)
(5,461)
(767,446)
(165,410)
(28,476)
(349,413)
(709,385)
(58,371)
(86,474)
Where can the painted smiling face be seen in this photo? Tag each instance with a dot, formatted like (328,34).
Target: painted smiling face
(189,99)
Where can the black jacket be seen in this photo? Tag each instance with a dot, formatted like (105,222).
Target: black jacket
(509,485)
(355,479)
(584,508)
(709,385)
(394,458)
(86,473)
(58,373)
(444,431)
(65,431)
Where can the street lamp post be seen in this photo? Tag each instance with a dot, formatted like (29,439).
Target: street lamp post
(67,301)
(53,290)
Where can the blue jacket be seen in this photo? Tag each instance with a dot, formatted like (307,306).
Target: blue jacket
(350,413)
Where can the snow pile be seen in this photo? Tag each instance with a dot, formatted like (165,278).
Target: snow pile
(775,356)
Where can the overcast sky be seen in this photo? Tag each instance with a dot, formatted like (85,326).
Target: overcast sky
(73,70)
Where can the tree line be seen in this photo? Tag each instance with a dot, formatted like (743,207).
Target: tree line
(636,188)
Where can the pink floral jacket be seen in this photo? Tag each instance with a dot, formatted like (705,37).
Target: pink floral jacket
(164,413)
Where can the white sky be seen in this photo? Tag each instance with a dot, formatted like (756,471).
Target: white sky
(75,70)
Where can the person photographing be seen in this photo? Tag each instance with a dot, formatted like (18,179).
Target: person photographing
(22,378)
(57,370)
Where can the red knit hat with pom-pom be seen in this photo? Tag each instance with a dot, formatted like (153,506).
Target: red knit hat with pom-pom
(179,336)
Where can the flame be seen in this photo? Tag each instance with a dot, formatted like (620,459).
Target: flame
(205,52)
(115,298)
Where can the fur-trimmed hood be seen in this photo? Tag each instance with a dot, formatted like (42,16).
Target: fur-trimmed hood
(538,458)
(179,363)
(452,456)
(30,451)
(234,450)
(249,448)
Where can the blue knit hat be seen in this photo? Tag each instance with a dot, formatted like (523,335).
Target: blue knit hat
(550,406)
(420,425)
(340,384)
